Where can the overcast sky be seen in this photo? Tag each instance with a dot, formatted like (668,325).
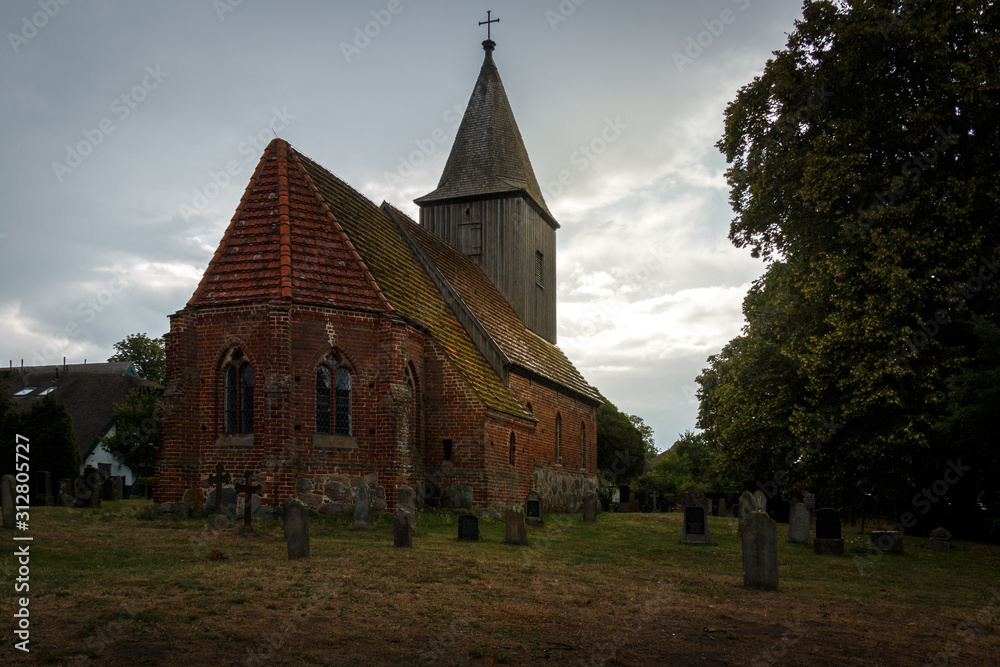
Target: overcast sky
(131,129)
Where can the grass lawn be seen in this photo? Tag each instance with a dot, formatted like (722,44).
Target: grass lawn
(114,587)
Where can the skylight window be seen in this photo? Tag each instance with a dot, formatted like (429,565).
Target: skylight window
(46,391)
(25,391)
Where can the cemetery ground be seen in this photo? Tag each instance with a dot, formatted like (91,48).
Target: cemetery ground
(116,586)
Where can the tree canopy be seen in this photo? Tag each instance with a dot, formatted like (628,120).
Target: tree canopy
(148,355)
(621,444)
(862,169)
(135,441)
(49,431)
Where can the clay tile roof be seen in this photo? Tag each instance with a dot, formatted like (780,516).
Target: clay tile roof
(525,349)
(403,282)
(488,156)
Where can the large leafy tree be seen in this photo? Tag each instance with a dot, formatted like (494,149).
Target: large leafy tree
(148,355)
(49,431)
(862,168)
(135,441)
(621,450)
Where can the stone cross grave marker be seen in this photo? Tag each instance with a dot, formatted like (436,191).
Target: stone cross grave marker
(760,552)
(533,508)
(296,524)
(362,507)
(696,526)
(828,541)
(517,529)
(590,507)
(406,500)
(760,500)
(798,524)
(402,531)
(248,487)
(747,505)
(217,480)
(468,528)
(7,499)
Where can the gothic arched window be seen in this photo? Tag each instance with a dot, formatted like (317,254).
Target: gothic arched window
(333,397)
(238,394)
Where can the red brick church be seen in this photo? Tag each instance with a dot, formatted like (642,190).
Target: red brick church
(332,340)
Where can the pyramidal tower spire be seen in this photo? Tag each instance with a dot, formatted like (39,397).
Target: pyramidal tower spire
(489,206)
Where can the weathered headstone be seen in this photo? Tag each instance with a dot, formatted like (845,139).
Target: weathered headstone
(747,506)
(708,507)
(362,507)
(117,487)
(43,488)
(406,500)
(533,508)
(7,499)
(220,478)
(760,552)
(809,500)
(696,526)
(517,528)
(468,528)
(828,540)
(633,503)
(66,498)
(402,531)
(248,487)
(296,524)
(760,501)
(92,486)
(940,539)
(590,507)
(722,507)
(887,541)
(798,524)
(651,504)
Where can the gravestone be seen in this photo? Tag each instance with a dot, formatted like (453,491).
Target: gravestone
(809,500)
(708,507)
(402,531)
(43,488)
(623,495)
(590,507)
(696,526)
(760,552)
(220,478)
(66,498)
(117,487)
(633,503)
(406,500)
(362,507)
(468,528)
(828,541)
(88,490)
(722,507)
(650,502)
(887,541)
(7,498)
(760,501)
(107,489)
(296,524)
(533,509)
(517,528)
(247,487)
(798,524)
(940,539)
(747,505)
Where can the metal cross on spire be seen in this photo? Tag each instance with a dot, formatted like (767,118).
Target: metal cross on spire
(487,23)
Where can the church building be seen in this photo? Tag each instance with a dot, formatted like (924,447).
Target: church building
(332,340)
